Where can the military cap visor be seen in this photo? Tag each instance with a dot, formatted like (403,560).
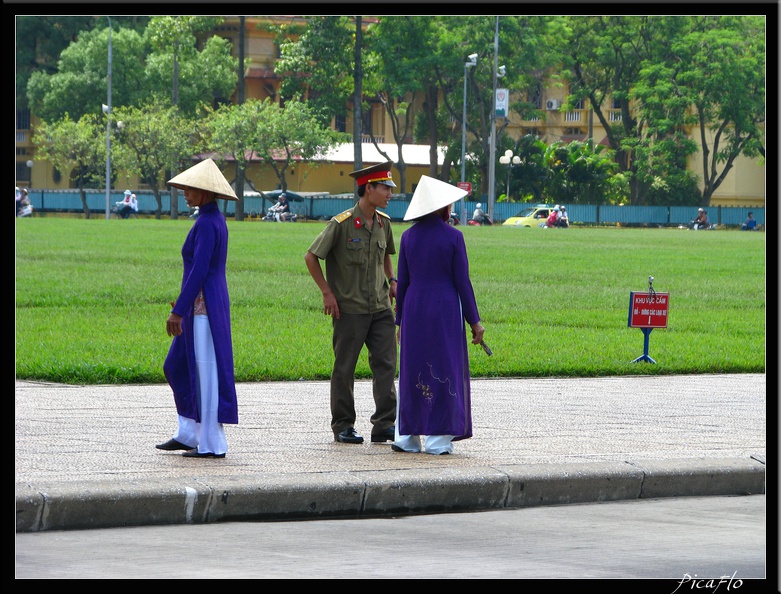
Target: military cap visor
(376,174)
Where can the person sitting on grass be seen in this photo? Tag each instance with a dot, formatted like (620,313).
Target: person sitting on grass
(563,219)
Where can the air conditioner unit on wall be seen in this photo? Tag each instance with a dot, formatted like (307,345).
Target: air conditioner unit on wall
(552,104)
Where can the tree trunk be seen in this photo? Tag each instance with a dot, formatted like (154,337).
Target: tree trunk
(239,215)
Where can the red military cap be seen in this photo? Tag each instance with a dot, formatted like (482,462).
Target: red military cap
(379,174)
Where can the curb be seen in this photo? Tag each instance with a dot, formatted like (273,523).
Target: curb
(308,496)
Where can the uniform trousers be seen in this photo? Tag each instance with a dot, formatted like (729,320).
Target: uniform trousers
(209,435)
(351,332)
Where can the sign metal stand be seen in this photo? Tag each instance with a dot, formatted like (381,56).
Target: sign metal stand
(648,311)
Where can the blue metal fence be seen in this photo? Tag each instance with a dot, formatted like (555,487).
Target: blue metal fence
(328,206)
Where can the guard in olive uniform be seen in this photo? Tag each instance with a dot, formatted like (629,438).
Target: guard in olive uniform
(357,246)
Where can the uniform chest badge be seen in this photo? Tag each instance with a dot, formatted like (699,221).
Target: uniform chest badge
(358,222)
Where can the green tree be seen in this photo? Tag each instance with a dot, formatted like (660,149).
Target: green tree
(317,65)
(528,176)
(528,48)
(606,55)
(710,80)
(400,68)
(177,70)
(231,129)
(41,39)
(75,148)
(153,140)
(278,136)
(324,67)
(578,172)
(80,84)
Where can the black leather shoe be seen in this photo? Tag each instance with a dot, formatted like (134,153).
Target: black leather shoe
(194,453)
(348,436)
(172,444)
(388,434)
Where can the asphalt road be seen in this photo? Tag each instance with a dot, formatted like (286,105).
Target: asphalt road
(681,540)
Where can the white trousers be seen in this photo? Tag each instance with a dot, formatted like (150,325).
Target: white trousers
(435,444)
(209,435)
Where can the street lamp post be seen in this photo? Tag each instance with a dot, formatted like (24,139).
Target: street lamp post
(511,161)
(472,62)
(107,110)
(497,72)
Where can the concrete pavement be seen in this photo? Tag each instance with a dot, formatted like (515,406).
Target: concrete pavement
(85,455)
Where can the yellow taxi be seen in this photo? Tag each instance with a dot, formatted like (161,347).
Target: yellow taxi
(531,216)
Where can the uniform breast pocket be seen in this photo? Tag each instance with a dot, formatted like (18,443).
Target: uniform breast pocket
(381,246)
(354,253)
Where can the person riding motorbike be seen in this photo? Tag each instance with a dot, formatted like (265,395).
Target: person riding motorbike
(280,212)
(479,217)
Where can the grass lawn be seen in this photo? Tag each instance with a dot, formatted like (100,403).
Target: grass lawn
(92,297)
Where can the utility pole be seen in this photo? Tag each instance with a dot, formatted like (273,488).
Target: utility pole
(108,129)
(357,98)
(492,120)
(175,102)
(240,174)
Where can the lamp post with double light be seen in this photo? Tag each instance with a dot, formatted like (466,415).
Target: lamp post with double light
(472,62)
(511,161)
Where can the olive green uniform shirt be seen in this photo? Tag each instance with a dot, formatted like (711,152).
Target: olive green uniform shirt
(354,260)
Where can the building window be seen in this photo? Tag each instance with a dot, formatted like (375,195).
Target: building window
(534,96)
(614,115)
(340,123)
(22,119)
(22,172)
(366,121)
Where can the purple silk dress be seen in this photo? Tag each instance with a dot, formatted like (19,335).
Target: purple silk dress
(204,254)
(434,297)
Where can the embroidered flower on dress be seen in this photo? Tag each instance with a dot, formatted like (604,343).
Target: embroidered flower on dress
(426,389)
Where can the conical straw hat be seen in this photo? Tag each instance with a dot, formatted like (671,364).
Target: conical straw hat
(204,176)
(431,195)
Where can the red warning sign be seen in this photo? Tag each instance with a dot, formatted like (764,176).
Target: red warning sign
(648,310)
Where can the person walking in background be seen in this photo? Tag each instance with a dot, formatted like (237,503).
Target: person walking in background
(433,299)
(358,289)
(199,366)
